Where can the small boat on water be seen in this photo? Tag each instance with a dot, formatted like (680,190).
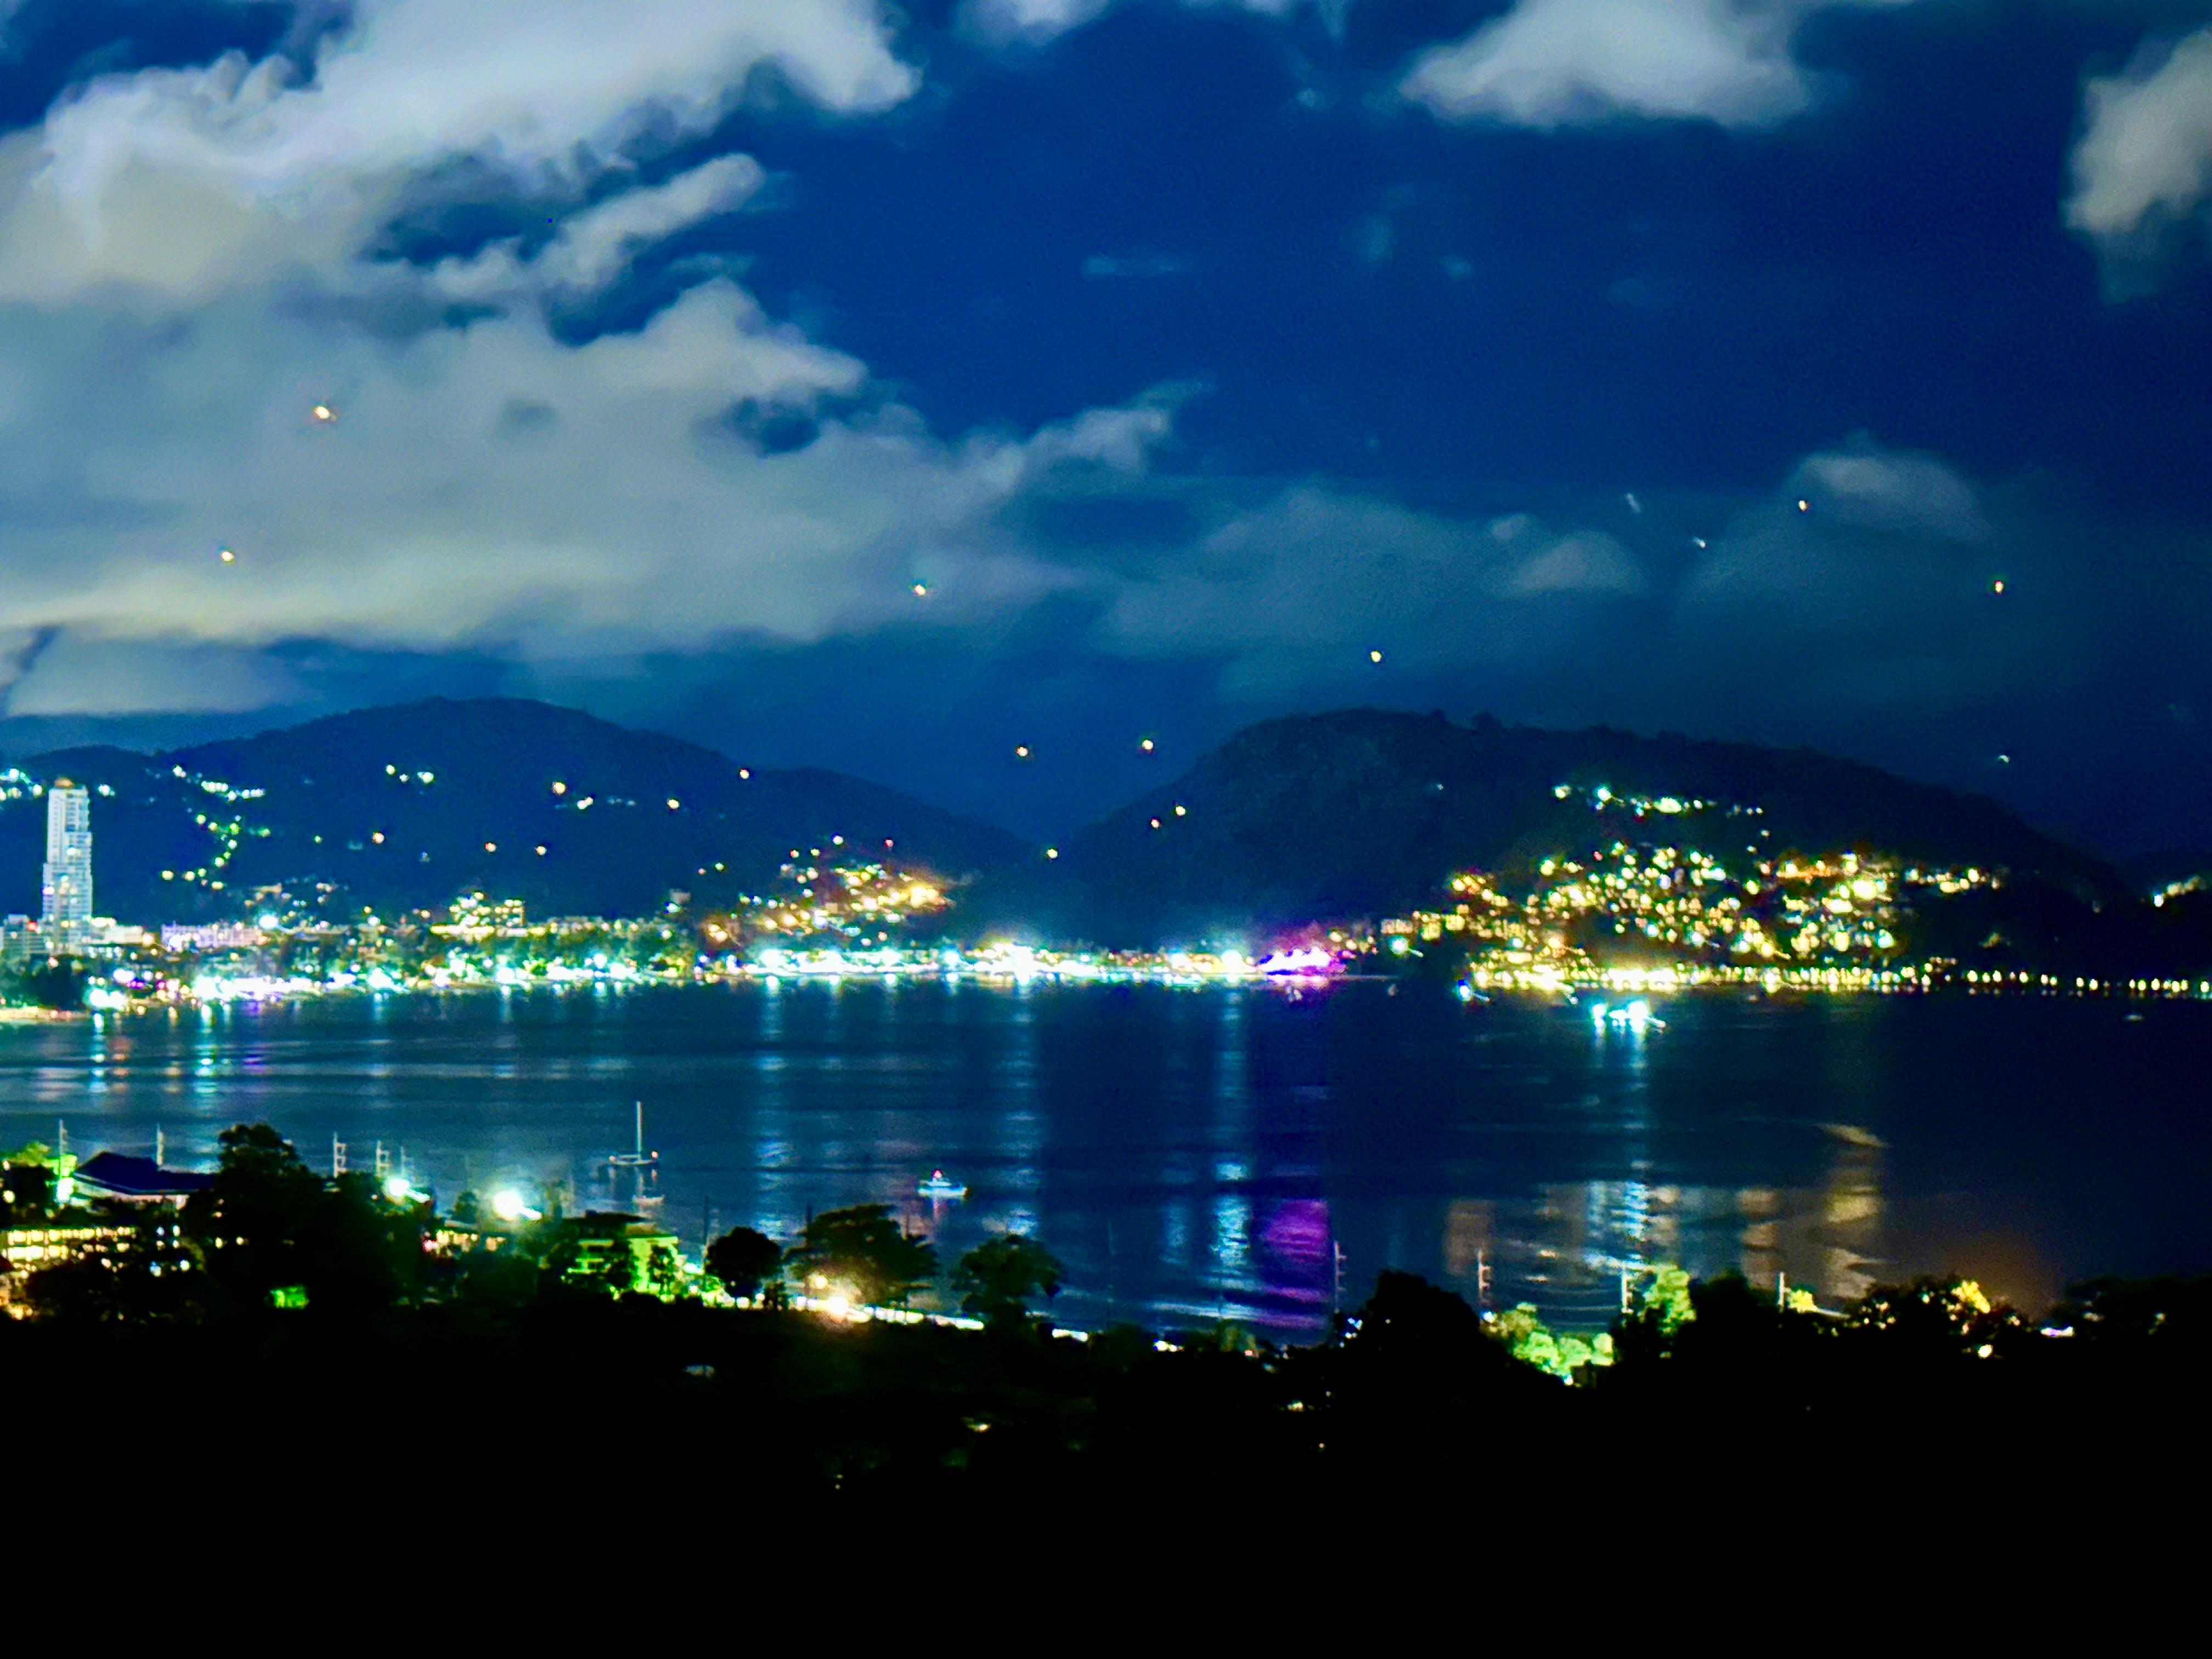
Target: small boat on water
(938,1188)
(637,1171)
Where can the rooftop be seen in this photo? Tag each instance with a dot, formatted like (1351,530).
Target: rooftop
(118,1175)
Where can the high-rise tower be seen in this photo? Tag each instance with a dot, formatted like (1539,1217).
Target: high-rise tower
(68,888)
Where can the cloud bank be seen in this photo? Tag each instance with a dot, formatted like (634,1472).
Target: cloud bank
(211,446)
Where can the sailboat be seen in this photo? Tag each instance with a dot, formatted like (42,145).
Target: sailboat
(642,1167)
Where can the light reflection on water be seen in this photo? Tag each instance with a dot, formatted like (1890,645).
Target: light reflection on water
(1193,1154)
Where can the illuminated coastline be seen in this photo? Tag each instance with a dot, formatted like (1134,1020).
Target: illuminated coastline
(1670,896)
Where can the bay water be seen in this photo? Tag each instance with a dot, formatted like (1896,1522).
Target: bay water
(1254,1153)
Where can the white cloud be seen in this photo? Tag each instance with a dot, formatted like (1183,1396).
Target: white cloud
(594,247)
(1862,485)
(1590,561)
(1035,20)
(1300,589)
(1561,63)
(1876,593)
(189,179)
(1865,582)
(2146,152)
(115,677)
(1121,439)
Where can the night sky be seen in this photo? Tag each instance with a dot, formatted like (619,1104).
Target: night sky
(887,389)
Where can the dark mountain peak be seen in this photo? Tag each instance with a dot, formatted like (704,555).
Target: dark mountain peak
(506,732)
(89,765)
(1365,811)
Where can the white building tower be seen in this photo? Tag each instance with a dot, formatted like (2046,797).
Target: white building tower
(67,911)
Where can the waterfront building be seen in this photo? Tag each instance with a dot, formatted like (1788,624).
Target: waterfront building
(590,1241)
(36,1244)
(66,891)
(474,917)
(128,1180)
(32,1244)
(450,1237)
(199,938)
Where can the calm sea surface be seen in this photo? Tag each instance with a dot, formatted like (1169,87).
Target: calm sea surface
(1197,1153)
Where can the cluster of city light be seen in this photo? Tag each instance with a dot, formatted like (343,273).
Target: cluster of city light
(853,901)
(485,943)
(1601,798)
(212,987)
(1682,900)
(1643,913)
(476,917)
(2175,889)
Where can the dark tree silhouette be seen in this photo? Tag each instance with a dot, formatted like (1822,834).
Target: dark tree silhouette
(744,1260)
(864,1250)
(998,1279)
(267,1222)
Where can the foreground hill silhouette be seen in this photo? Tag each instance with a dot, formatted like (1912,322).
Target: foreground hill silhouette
(278,1307)
(1366,812)
(329,788)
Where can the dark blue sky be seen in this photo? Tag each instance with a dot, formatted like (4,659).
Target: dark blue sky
(1183,353)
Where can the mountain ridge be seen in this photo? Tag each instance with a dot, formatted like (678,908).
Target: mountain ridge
(1364,813)
(414,803)
(1349,813)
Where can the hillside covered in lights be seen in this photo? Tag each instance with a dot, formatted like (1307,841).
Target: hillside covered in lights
(412,804)
(1371,814)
